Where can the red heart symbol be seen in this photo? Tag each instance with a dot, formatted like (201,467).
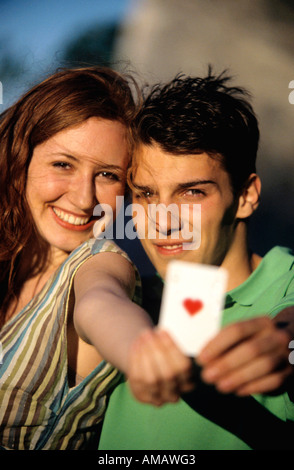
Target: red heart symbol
(193,306)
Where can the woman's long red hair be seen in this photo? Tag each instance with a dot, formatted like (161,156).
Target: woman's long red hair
(65,99)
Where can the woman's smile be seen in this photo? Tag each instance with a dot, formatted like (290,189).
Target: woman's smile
(71,221)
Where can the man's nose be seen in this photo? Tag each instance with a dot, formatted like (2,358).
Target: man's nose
(166,218)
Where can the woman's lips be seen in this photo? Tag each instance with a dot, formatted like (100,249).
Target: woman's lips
(71,221)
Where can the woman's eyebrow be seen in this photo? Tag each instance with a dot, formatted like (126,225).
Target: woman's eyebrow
(63,154)
(99,163)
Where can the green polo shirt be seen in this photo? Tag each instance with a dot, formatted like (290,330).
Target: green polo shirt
(206,419)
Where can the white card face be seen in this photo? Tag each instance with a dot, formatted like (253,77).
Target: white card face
(192,304)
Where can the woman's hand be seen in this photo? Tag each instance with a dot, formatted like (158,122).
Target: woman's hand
(247,357)
(158,372)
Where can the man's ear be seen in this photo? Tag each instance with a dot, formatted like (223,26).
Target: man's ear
(249,198)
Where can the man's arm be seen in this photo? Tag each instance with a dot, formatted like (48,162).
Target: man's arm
(285,321)
(251,356)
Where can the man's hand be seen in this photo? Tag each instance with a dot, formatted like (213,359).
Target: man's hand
(158,372)
(247,357)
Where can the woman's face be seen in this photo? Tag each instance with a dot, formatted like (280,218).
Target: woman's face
(70,174)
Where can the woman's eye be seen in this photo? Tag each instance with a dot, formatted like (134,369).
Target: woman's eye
(64,165)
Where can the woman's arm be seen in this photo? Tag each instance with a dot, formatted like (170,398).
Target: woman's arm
(104,315)
(122,332)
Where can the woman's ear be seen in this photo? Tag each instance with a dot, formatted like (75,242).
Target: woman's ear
(249,198)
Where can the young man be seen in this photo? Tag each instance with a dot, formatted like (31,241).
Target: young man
(197,144)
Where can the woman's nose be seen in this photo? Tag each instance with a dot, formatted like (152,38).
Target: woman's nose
(83,194)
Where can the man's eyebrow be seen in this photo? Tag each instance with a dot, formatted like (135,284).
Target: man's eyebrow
(179,186)
(189,184)
(140,187)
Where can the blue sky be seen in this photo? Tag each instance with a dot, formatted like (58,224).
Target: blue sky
(34,31)
(40,25)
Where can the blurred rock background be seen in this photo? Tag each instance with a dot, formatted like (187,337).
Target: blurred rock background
(253,39)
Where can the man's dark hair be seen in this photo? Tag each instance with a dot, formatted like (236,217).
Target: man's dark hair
(194,115)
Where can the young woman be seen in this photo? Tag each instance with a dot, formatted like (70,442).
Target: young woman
(68,316)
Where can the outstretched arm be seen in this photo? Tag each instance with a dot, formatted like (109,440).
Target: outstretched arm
(167,371)
(104,315)
(122,332)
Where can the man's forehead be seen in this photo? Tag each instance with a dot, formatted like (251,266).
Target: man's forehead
(145,152)
(153,157)
(151,161)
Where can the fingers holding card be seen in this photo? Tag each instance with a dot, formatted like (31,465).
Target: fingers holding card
(192,304)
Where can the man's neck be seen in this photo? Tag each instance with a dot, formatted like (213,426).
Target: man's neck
(239,261)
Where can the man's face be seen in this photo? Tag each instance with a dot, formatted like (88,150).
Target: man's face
(162,178)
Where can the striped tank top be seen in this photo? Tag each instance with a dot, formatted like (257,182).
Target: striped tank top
(38,408)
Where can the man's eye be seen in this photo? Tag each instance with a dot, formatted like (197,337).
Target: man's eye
(143,195)
(108,175)
(194,192)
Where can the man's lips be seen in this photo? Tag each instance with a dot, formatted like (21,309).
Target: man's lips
(72,221)
(169,248)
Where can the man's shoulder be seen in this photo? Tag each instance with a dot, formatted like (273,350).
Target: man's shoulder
(278,263)
(280,254)
(282,287)
(267,288)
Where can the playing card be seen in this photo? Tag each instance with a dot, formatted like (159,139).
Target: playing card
(192,304)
